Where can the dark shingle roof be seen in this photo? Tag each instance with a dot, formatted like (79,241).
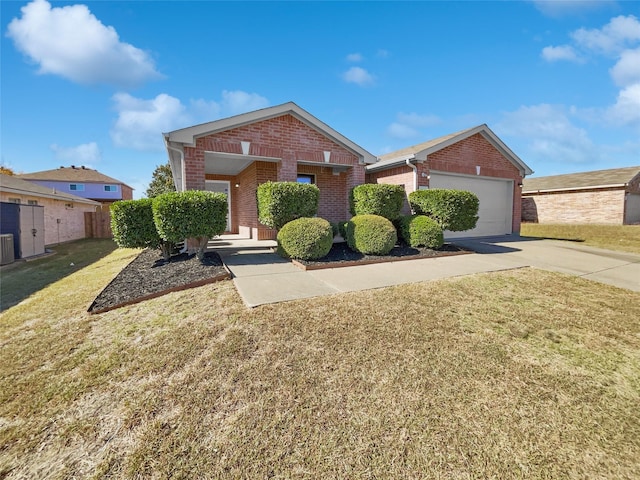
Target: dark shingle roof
(71,174)
(13,184)
(570,181)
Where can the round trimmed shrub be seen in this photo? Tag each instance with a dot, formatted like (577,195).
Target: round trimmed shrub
(377,199)
(305,239)
(281,202)
(371,234)
(421,231)
(454,210)
(132,224)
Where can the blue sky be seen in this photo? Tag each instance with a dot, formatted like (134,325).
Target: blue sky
(96,83)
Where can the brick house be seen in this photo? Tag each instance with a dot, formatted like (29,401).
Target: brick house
(604,197)
(285,143)
(475,160)
(82,182)
(64,213)
(281,143)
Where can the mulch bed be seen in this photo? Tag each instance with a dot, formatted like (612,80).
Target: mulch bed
(149,276)
(341,255)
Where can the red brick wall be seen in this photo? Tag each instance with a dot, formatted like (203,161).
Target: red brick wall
(464,156)
(333,192)
(291,140)
(127,192)
(593,206)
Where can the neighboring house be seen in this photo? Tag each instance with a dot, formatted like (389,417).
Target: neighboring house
(285,143)
(83,182)
(475,160)
(63,212)
(604,196)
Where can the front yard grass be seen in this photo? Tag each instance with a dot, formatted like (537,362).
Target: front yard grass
(624,238)
(518,374)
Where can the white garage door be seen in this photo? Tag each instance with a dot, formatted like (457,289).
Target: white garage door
(496,202)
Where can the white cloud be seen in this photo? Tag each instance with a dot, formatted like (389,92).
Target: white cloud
(382,53)
(626,110)
(561,8)
(408,125)
(563,52)
(359,76)
(71,42)
(615,36)
(416,120)
(549,133)
(355,57)
(400,130)
(141,122)
(627,70)
(236,102)
(84,154)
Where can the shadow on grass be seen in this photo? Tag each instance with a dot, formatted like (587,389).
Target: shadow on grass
(22,279)
(553,237)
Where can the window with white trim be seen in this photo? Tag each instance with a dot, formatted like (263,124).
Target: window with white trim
(76,187)
(32,202)
(110,188)
(14,200)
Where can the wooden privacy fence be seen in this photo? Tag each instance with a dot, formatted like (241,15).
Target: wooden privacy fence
(97,224)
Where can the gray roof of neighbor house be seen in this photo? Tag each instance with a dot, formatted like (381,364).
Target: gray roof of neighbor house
(420,151)
(187,136)
(584,180)
(72,174)
(13,184)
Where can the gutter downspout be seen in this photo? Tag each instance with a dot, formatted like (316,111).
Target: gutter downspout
(181,153)
(415,173)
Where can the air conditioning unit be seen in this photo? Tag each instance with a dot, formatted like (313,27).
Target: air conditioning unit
(6,249)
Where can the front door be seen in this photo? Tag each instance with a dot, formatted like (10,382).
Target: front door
(221,186)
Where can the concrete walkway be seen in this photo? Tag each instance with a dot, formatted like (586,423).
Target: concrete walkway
(263,277)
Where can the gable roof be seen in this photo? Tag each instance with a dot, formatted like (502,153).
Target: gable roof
(420,151)
(614,177)
(13,184)
(188,136)
(71,174)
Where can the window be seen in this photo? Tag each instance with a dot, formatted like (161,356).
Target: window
(110,188)
(14,200)
(32,202)
(306,178)
(76,187)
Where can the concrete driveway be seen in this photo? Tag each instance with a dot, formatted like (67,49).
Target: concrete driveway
(263,277)
(606,266)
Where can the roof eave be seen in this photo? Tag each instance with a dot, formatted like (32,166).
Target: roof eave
(570,189)
(187,136)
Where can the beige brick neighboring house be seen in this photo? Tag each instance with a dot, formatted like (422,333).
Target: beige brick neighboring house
(602,197)
(63,212)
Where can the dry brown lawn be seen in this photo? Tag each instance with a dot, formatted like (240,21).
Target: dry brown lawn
(625,238)
(519,374)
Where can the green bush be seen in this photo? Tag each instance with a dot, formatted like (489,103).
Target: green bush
(371,234)
(305,239)
(133,226)
(454,210)
(377,199)
(420,231)
(335,228)
(281,202)
(190,214)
